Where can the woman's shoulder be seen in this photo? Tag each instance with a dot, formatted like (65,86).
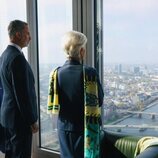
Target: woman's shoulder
(54,70)
(90,69)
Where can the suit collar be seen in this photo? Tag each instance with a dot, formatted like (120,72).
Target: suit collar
(72,62)
(16,46)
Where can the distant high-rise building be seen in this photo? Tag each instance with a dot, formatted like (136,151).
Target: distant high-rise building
(120,69)
(137,70)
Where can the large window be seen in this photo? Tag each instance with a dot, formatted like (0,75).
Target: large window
(54,19)
(131,66)
(10,10)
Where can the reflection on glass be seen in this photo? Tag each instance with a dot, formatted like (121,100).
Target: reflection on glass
(131,66)
(8,13)
(98,36)
(54,19)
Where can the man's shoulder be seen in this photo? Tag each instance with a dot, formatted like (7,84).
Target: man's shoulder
(10,57)
(11,53)
(12,49)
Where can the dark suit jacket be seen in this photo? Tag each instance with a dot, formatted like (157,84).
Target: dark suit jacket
(2,135)
(1,93)
(19,100)
(71,95)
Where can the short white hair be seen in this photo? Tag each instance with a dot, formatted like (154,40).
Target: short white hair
(72,42)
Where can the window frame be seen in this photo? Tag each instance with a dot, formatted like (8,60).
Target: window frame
(32,19)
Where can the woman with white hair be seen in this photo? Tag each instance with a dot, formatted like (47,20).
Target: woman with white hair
(75,93)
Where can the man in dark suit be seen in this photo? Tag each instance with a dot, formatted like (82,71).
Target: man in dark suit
(19,108)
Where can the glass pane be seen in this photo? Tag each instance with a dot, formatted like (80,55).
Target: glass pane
(10,10)
(131,66)
(55,18)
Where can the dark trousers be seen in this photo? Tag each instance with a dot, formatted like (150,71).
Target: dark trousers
(2,139)
(71,144)
(18,142)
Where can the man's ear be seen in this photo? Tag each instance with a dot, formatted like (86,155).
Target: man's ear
(18,35)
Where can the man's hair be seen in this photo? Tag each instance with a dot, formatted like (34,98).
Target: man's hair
(16,26)
(72,42)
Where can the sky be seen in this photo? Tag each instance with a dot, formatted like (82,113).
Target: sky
(10,10)
(130,28)
(130,31)
(55,18)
